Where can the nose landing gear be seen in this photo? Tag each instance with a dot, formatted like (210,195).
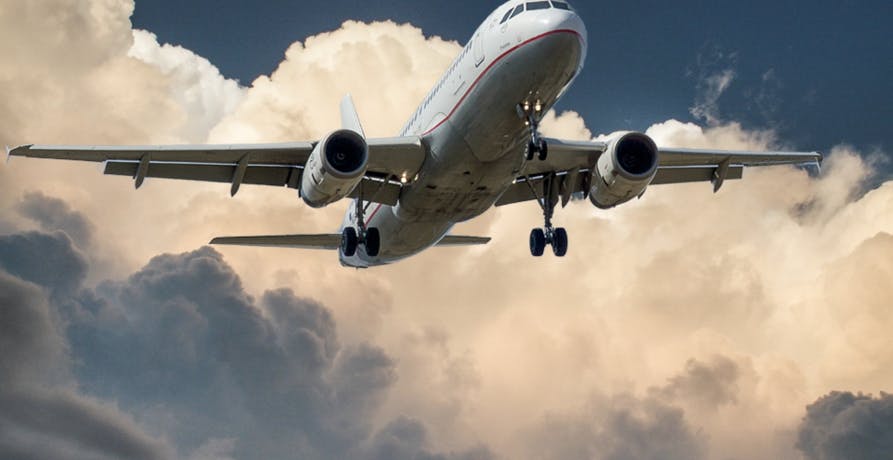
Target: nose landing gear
(532,114)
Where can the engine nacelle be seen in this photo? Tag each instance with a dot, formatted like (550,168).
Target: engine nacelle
(624,171)
(335,168)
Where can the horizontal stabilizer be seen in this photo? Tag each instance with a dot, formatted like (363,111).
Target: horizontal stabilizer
(327,241)
(451,240)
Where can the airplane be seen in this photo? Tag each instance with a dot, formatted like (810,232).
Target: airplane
(472,144)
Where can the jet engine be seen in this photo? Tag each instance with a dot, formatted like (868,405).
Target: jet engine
(624,170)
(335,168)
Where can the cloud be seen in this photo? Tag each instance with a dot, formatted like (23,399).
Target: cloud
(617,428)
(406,438)
(49,260)
(713,383)
(41,416)
(710,89)
(54,214)
(300,99)
(216,354)
(846,425)
(715,71)
(194,83)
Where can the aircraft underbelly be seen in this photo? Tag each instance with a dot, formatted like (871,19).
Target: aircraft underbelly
(476,154)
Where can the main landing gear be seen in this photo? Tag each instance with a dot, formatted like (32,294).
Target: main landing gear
(352,238)
(548,235)
(532,114)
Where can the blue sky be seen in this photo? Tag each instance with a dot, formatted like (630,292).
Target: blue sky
(820,73)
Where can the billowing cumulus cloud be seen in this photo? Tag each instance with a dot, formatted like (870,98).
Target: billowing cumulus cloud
(681,325)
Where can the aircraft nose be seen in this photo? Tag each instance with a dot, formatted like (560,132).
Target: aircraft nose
(556,20)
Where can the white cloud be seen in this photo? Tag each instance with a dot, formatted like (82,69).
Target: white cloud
(196,84)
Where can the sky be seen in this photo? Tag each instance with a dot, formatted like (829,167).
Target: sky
(753,323)
(819,75)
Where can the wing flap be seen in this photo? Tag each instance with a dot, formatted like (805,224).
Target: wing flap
(521,191)
(258,175)
(377,190)
(686,174)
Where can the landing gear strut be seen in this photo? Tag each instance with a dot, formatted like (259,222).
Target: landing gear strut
(548,235)
(352,238)
(532,114)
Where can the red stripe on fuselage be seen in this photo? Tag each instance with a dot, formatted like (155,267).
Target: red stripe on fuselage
(495,61)
(478,79)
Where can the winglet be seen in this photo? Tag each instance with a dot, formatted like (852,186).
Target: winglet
(17,151)
(349,118)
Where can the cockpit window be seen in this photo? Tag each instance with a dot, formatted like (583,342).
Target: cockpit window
(518,10)
(538,6)
(508,14)
(561,5)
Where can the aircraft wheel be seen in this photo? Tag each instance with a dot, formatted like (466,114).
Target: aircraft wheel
(537,242)
(373,242)
(531,150)
(559,242)
(349,242)
(543,149)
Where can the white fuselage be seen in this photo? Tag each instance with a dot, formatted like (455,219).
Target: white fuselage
(470,126)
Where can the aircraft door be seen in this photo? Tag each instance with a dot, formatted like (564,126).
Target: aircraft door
(478,50)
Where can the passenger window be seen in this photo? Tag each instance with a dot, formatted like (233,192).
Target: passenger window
(561,5)
(518,10)
(508,14)
(538,6)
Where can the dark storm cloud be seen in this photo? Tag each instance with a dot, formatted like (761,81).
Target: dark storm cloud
(49,260)
(39,416)
(29,342)
(406,438)
(844,425)
(181,334)
(53,214)
(182,344)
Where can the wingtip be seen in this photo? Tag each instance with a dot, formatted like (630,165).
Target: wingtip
(17,151)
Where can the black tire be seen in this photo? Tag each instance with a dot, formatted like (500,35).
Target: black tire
(373,242)
(543,149)
(531,150)
(559,242)
(537,242)
(349,242)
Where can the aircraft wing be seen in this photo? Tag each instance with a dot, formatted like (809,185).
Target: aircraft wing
(572,163)
(263,164)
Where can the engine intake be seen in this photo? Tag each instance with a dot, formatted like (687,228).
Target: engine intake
(335,168)
(624,171)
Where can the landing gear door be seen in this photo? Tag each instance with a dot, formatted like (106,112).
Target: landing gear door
(478,50)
